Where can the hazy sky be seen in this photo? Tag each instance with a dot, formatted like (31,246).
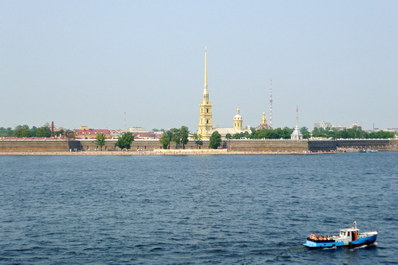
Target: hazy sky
(89,62)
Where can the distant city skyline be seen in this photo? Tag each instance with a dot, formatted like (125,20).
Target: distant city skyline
(140,64)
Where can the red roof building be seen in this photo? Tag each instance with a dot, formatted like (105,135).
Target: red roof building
(86,133)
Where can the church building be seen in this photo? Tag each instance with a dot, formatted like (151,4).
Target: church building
(264,124)
(205,126)
(237,123)
(296,134)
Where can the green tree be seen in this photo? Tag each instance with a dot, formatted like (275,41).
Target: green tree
(33,131)
(384,135)
(184,133)
(322,132)
(198,140)
(60,132)
(276,133)
(241,135)
(261,134)
(166,139)
(228,136)
(175,136)
(215,140)
(5,132)
(236,136)
(43,131)
(124,141)
(100,140)
(286,133)
(21,131)
(69,134)
(305,132)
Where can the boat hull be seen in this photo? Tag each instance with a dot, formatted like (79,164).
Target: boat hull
(352,244)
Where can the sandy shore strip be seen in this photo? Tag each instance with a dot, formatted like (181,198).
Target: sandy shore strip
(156,152)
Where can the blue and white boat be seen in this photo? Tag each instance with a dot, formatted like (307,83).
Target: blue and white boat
(348,237)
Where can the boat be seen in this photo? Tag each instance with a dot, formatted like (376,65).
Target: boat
(349,237)
(368,151)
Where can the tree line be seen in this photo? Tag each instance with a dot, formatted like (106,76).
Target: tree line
(355,132)
(352,133)
(26,131)
(278,133)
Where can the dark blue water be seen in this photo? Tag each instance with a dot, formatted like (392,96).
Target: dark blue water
(232,209)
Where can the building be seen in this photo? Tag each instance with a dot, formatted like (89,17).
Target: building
(323,125)
(264,124)
(296,134)
(205,125)
(136,129)
(237,126)
(86,133)
(145,135)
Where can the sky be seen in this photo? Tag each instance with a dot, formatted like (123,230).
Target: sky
(117,64)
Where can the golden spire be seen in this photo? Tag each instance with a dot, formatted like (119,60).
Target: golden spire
(205,90)
(263,119)
(205,115)
(205,84)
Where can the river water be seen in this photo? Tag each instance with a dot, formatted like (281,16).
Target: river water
(210,209)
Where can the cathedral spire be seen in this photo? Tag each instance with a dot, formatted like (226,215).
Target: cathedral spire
(205,90)
(205,115)
(205,79)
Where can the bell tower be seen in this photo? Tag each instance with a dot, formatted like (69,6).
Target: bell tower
(205,109)
(238,121)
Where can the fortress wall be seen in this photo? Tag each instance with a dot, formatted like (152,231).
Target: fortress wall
(393,145)
(247,145)
(375,144)
(142,145)
(34,146)
(322,145)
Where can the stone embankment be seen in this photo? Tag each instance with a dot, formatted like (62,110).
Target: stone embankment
(159,152)
(152,147)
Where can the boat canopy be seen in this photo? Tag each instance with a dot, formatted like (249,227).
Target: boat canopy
(351,232)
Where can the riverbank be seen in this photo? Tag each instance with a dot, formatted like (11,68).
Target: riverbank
(155,152)
(234,146)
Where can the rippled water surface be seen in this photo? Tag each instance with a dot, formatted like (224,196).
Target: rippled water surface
(224,209)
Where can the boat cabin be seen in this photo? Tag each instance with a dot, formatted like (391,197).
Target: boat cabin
(351,233)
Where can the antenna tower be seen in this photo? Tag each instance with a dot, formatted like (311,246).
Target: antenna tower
(270,103)
(125,120)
